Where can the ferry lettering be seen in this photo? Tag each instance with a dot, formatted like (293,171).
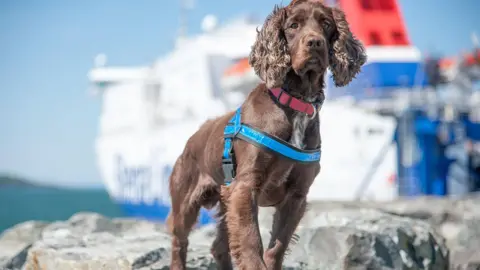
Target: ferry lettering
(158,190)
(132,181)
(143,184)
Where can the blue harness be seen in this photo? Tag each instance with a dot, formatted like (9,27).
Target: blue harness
(236,129)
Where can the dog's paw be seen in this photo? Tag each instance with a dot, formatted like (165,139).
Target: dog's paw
(270,255)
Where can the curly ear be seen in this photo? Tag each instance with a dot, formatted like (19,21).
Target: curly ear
(348,54)
(269,56)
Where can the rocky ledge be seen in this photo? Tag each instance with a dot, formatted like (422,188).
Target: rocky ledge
(422,233)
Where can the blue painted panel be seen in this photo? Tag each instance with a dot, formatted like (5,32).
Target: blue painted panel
(159,213)
(380,80)
(473,131)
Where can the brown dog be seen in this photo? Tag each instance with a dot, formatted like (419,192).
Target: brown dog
(294,48)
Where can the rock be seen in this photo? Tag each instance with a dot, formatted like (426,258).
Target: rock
(336,239)
(26,232)
(343,238)
(456,219)
(465,248)
(82,224)
(17,261)
(17,239)
(423,233)
(138,246)
(92,241)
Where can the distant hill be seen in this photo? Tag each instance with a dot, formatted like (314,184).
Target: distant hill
(10,180)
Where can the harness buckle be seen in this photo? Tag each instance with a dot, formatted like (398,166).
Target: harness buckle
(228,169)
(314,112)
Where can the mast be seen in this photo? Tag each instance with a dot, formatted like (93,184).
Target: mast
(475,41)
(185,6)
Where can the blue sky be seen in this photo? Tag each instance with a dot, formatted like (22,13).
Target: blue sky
(49,122)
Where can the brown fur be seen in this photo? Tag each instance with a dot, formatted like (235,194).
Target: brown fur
(281,56)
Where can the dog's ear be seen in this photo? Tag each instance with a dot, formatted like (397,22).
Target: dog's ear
(269,56)
(347,53)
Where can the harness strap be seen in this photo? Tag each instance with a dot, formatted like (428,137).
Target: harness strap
(228,156)
(235,129)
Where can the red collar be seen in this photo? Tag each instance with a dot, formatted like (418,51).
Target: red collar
(296,104)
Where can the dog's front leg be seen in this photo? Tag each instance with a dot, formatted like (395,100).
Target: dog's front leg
(244,235)
(285,221)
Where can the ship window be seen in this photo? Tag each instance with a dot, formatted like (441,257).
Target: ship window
(152,93)
(367,4)
(375,131)
(375,38)
(399,38)
(385,4)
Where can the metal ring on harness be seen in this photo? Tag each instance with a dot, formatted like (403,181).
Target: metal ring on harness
(314,112)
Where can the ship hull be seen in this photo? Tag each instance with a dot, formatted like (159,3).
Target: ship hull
(136,166)
(159,212)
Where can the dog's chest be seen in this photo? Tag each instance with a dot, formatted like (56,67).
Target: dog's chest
(299,127)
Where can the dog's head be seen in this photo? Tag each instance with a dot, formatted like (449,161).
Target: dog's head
(306,36)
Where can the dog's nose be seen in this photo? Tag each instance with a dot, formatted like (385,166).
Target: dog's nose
(314,42)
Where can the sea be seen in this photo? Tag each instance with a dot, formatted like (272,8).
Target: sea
(19,204)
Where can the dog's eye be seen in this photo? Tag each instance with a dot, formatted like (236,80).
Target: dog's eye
(326,25)
(294,25)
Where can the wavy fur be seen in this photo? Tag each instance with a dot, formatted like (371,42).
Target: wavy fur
(348,54)
(271,60)
(269,56)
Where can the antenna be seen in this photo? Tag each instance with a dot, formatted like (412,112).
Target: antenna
(185,5)
(475,41)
